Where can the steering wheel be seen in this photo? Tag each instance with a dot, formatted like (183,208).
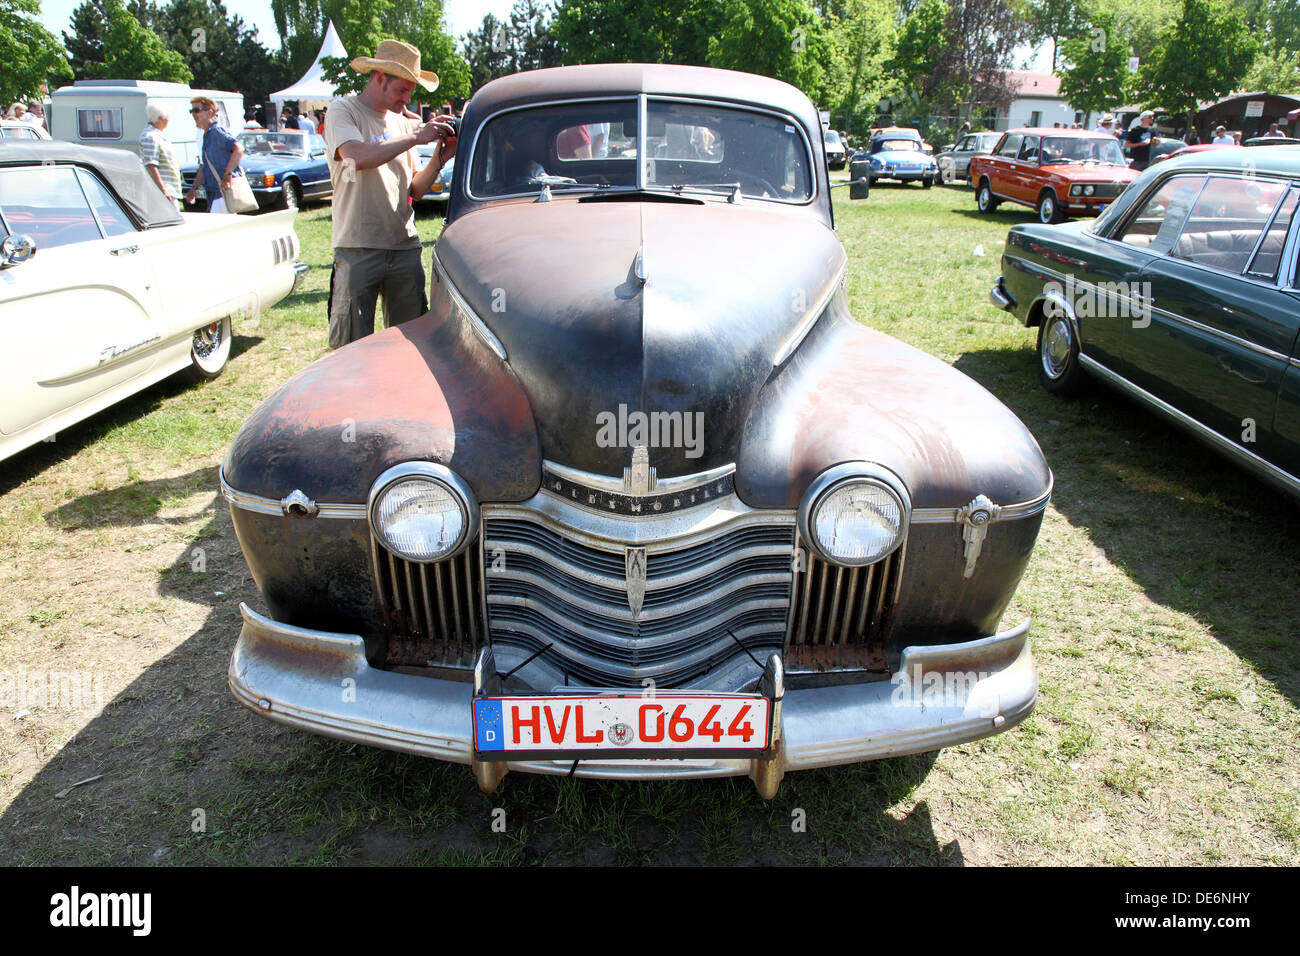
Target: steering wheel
(765,188)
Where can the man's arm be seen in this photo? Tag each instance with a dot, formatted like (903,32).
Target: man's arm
(446,149)
(371,155)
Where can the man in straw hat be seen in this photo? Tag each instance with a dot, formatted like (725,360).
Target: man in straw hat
(373,167)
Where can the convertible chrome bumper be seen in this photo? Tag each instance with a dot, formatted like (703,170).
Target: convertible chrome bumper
(299,270)
(942,695)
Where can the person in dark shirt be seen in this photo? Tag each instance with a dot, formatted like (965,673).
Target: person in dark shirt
(1140,139)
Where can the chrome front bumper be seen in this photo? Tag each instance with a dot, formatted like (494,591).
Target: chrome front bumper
(943,695)
(1000,297)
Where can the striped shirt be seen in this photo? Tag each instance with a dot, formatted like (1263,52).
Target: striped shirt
(156,150)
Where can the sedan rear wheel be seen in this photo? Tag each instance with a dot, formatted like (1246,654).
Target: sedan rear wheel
(210,350)
(1058,355)
(984,199)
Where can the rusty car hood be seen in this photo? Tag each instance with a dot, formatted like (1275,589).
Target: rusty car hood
(560,284)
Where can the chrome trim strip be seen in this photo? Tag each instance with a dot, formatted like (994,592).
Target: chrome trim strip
(1219,333)
(272,506)
(810,317)
(663,486)
(1248,459)
(479,326)
(1021,509)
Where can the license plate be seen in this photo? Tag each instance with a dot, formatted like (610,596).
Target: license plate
(678,725)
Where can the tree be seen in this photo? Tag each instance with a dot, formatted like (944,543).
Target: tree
(1055,20)
(1096,76)
(1204,57)
(634,31)
(780,38)
(522,42)
(133,51)
(982,36)
(863,37)
(89,26)
(221,50)
(30,53)
(1275,72)
(920,46)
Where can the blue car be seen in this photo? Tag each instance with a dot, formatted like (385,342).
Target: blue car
(899,154)
(285,169)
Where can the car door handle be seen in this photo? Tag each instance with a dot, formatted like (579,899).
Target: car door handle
(125,250)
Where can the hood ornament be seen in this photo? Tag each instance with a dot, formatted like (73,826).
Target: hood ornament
(634,565)
(639,480)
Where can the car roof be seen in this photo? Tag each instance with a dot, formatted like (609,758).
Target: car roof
(1058,131)
(1281,160)
(120,169)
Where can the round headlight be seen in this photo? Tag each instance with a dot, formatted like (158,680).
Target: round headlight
(422,512)
(1089,190)
(855,514)
(1074,190)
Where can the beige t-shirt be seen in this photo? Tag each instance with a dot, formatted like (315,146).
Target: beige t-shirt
(371,207)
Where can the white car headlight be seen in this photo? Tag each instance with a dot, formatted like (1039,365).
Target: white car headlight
(855,514)
(422,512)
(1089,190)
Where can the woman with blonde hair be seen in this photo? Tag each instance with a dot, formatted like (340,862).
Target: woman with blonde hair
(16,110)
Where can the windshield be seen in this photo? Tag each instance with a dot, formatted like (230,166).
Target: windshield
(291,144)
(832,138)
(685,147)
(895,145)
(1081,149)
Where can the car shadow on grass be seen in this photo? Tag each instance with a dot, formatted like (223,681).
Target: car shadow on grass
(1195,532)
(186,775)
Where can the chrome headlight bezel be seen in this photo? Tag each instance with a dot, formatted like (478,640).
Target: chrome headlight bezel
(436,474)
(834,479)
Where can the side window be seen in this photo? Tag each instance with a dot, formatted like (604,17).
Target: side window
(1161,217)
(967,143)
(1269,255)
(1029,150)
(46,203)
(111,215)
(1227,222)
(1011,145)
(99,123)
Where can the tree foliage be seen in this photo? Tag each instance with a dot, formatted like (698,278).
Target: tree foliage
(634,31)
(523,41)
(1275,72)
(132,51)
(1095,76)
(780,38)
(1056,20)
(1204,57)
(30,53)
(221,50)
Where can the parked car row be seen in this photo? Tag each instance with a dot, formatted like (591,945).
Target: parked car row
(1185,296)
(284,169)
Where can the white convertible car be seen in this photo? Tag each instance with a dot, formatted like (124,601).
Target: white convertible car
(105,288)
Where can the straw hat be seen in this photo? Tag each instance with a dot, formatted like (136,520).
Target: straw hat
(400,60)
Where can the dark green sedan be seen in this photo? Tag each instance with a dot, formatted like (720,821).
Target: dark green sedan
(1183,294)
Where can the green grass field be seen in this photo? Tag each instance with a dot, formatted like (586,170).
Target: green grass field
(1163,591)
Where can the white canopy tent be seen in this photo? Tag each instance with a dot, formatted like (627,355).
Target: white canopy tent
(313,90)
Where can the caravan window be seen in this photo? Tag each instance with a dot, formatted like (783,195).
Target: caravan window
(99,123)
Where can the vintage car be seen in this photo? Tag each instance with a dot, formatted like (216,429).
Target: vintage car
(1183,295)
(1058,172)
(836,154)
(105,288)
(285,169)
(954,163)
(637,497)
(900,154)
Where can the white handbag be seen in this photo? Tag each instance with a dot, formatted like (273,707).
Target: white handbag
(239,197)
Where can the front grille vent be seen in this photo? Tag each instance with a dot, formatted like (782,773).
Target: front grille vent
(840,616)
(434,611)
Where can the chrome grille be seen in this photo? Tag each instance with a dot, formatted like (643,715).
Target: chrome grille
(840,616)
(434,611)
(565,595)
